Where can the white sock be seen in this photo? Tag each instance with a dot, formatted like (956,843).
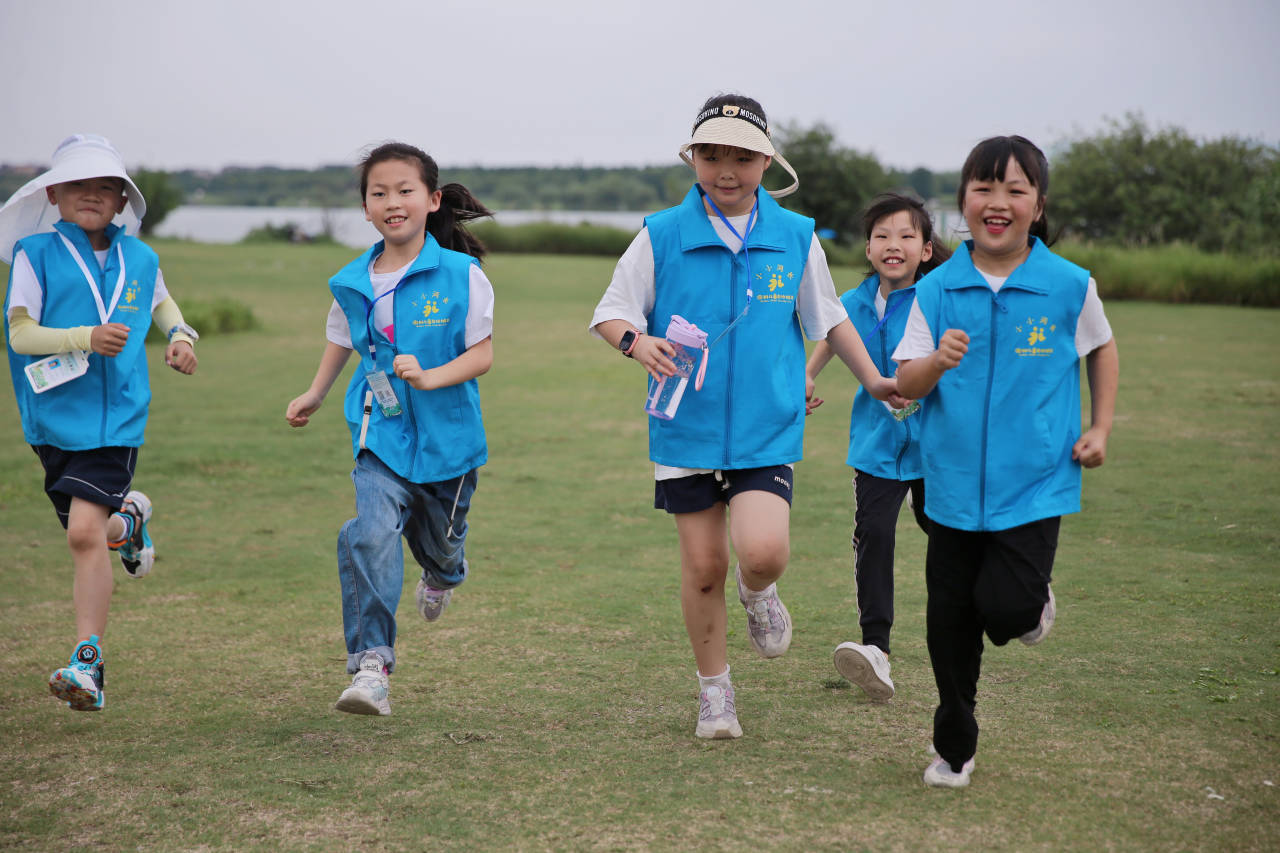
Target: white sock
(721,680)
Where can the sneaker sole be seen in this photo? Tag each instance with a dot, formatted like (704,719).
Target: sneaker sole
(857,669)
(356,704)
(719,732)
(76,697)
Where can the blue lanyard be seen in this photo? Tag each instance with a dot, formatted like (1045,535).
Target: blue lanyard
(884,319)
(370,330)
(746,257)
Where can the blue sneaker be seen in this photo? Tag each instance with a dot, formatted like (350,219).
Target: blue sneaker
(137,553)
(80,683)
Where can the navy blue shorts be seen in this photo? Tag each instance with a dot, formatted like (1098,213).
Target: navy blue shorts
(101,476)
(703,491)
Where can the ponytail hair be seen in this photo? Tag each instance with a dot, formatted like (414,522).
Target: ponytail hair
(457,204)
(887,204)
(989,161)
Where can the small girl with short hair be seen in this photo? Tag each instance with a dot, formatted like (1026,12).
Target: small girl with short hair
(883,447)
(754,278)
(419,310)
(993,347)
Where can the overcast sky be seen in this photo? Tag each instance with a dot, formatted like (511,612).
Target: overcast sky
(178,83)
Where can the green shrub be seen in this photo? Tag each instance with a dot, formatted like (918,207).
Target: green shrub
(212,317)
(1179,273)
(554,238)
(288,232)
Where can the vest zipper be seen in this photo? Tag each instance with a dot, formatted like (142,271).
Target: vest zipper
(733,349)
(986,410)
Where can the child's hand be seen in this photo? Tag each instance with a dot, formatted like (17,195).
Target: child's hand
(811,401)
(951,349)
(887,389)
(654,354)
(300,410)
(181,357)
(109,338)
(408,369)
(1091,450)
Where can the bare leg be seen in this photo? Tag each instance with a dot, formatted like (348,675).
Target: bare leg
(87,538)
(704,565)
(760,526)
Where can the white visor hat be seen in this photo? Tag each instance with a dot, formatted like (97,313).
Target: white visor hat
(77,158)
(738,127)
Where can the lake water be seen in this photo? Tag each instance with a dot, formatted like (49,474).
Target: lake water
(228,224)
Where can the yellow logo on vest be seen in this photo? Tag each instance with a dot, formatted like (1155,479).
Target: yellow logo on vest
(776,277)
(130,297)
(1035,335)
(428,307)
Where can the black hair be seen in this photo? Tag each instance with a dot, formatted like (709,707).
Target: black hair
(989,161)
(457,204)
(887,204)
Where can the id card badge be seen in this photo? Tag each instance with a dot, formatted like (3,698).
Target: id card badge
(383,393)
(57,370)
(905,412)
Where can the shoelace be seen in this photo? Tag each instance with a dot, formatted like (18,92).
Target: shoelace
(717,700)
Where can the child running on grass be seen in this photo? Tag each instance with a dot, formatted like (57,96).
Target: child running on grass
(83,293)
(883,449)
(754,278)
(992,348)
(419,310)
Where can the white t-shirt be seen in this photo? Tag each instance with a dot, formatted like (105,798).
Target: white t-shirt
(631,293)
(1092,328)
(479,307)
(25,290)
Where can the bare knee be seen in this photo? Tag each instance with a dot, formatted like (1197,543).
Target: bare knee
(84,537)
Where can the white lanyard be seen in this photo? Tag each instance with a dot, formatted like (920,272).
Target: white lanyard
(103,311)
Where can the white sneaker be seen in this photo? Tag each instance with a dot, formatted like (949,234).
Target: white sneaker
(867,667)
(768,622)
(368,693)
(137,552)
(717,714)
(431,601)
(940,775)
(1047,615)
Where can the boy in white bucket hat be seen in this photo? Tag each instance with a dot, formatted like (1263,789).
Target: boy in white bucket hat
(82,295)
(754,278)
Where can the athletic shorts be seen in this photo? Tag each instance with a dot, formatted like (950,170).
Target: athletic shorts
(101,476)
(703,491)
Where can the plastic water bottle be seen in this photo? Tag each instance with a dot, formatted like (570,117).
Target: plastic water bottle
(688,342)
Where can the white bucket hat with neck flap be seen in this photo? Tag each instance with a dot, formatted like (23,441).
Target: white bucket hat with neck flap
(76,158)
(739,127)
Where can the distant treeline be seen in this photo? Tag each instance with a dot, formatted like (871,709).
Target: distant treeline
(508,188)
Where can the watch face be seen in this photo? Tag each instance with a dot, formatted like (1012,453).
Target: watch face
(628,338)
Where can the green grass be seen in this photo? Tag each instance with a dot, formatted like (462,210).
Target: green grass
(553,706)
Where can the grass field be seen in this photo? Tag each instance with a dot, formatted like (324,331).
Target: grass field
(553,706)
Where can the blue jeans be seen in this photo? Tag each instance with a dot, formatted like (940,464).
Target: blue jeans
(432,517)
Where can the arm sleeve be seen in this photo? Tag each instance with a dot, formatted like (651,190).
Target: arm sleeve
(336,329)
(917,338)
(160,295)
(630,294)
(24,288)
(1092,329)
(166,315)
(28,337)
(479,307)
(816,302)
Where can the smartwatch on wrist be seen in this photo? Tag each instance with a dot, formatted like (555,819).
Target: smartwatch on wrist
(628,341)
(185,329)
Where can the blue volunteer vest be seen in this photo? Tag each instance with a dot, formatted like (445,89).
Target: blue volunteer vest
(998,429)
(439,435)
(879,443)
(750,411)
(106,407)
